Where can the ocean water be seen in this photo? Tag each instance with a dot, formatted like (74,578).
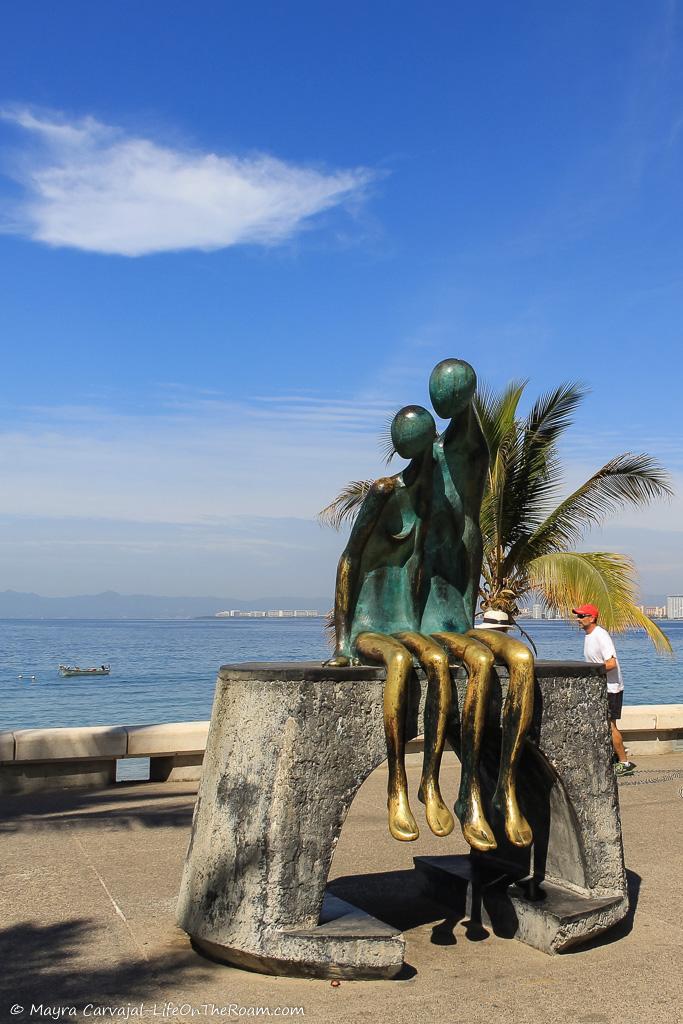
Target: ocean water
(165,670)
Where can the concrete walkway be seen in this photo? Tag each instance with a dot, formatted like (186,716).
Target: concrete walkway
(90,879)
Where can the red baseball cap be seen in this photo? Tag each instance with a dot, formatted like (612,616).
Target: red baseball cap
(586,609)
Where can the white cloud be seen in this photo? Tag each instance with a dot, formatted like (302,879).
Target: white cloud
(89,186)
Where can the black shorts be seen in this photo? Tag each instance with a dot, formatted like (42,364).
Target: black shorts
(615,702)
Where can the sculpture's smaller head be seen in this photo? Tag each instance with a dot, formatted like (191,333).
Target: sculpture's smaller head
(451,386)
(413,430)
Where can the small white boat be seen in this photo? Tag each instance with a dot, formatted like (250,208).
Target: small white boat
(74,670)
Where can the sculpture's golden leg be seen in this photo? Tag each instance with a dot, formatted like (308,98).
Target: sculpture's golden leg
(478,661)
(399,663)
(439,695)
(517,715)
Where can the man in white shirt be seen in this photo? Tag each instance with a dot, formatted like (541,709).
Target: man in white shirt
(598,648)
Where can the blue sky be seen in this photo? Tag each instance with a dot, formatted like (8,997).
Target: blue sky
(235,238)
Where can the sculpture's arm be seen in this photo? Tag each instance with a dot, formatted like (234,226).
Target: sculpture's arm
(475,552)
(466,451)
(451,494)
(348,570)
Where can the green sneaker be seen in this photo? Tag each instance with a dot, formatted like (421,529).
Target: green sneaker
(624,768)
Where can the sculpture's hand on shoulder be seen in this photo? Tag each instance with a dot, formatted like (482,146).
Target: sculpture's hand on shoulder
(384,486)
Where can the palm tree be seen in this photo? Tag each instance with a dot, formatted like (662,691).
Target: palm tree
(529,539)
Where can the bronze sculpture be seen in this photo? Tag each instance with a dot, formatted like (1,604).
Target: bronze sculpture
(407,584)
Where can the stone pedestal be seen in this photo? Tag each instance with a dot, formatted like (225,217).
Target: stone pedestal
(288,748)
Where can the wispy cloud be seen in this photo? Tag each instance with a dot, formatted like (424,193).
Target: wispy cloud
(196,487)
(90,186)
(191,459)
(243,556)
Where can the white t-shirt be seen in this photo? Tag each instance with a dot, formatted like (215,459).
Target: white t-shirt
(598,648)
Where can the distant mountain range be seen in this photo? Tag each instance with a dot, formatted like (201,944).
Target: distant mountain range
(110,605)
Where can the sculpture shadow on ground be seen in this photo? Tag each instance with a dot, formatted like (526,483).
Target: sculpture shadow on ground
(125,806)
(43,964)
(376,895)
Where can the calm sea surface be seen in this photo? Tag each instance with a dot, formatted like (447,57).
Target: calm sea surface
(165,671)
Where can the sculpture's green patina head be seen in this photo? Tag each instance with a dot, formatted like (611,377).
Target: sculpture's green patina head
(451,387)
(413,431)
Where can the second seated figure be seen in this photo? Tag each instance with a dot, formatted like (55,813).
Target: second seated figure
(453,561)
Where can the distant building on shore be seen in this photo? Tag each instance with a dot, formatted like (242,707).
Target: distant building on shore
(273,613)
(674,606)
(655,611)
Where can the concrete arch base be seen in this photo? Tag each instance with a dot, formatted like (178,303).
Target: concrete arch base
(288,748)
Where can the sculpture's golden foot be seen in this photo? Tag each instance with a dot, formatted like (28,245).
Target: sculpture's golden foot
(402,824)
(338,661)
(439,818)
(517,828)
(475,827)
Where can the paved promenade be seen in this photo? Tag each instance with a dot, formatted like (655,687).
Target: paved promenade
(89,884)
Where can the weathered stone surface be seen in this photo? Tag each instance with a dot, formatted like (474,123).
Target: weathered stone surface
(576,802)
(347,943)
(288,748)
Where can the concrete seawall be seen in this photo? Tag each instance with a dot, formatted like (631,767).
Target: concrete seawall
(36,759)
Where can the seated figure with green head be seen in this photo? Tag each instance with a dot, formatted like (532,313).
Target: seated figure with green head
(378,610)
(453,559)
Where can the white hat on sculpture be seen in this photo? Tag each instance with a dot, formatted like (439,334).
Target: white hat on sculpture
(495,619)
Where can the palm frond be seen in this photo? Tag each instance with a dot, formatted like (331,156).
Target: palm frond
(385,441)
(566,579)
(498,417)
(330,629)
(626,479)
(551,413)
(497,413)
(657,635)
(538,468)
(533,476)
(346,505)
